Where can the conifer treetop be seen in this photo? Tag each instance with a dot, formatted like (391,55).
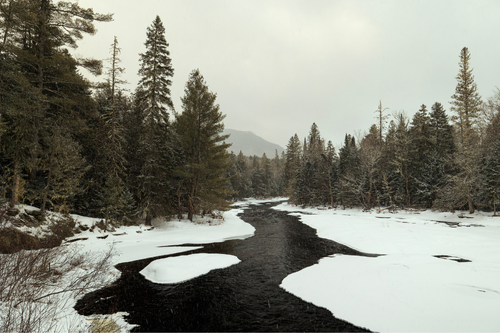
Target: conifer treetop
(466,100)
(155,73)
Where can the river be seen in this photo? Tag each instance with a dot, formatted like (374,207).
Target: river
(243,297)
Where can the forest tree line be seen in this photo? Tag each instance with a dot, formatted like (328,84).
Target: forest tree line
(69,145)
(428,161)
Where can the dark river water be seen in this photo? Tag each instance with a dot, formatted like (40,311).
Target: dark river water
(243,297)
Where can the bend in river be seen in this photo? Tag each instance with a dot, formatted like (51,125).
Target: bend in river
(243,297)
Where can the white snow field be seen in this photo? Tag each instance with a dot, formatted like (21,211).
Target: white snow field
(182,268)
(408,288)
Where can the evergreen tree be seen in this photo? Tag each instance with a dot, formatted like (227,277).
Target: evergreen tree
(370,153)
(441,131)
(114,198)
(466,100)
(313,182)
(401,161)
(331,163)
(464,186)
(420,158)
(292,166)
(389,176)
(258,179)
(244,177)
(155,190)
(442,149)
(200,128)
(35,34)
(349,173)
(491,174)
(156,72)
(278,165)
(64,168)
(490,166)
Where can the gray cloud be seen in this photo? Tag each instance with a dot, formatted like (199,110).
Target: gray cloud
(279,66)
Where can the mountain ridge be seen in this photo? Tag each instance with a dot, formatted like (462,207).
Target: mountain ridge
(251,144)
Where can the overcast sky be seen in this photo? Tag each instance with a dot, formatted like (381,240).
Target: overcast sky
(279,66)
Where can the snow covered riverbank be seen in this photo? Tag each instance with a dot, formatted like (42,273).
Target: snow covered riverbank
(438,272)
(137,242)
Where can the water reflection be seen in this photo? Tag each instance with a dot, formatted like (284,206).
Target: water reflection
(243,297)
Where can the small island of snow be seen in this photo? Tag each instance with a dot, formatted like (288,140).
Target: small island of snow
(182,268)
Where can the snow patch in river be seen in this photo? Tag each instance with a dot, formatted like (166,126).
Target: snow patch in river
(183,268)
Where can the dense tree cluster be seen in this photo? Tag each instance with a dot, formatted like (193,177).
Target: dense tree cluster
(94,149)
(257,177)
(426,162)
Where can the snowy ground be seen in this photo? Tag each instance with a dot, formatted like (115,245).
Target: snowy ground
(433,276)
(137,242)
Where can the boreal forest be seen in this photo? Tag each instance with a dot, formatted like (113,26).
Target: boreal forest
(95,149)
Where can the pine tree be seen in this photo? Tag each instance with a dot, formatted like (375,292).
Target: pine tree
(401,161)
(349,173)
(491,174)
(441,132)
(389,176)
(278,169)
(157,146)
(257,179)
(114,198)
(292,165)
(466,100)
(420,155)
(34,37)
(330,159)
(439,159)
(463,186)
(370,153)
(241,176)
(156,72)
(200,128)
(64,169)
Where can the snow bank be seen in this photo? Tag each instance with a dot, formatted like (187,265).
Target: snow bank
(136,242)
(183,268)
(439,272)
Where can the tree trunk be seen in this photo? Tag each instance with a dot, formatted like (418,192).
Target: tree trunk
(471,206)
(147,223)
(407,187)
(14,200)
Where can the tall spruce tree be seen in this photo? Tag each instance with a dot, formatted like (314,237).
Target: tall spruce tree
(464,186)
(199,127)
(114,199)
(466,101)
(420,156)
(401,161)
(153,95)
(349,172)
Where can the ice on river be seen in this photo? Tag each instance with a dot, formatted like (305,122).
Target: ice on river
(183,268)
(433,276)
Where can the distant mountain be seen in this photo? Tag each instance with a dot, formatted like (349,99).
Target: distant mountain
(251,144)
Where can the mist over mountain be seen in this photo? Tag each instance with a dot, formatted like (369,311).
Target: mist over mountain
(251,144)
